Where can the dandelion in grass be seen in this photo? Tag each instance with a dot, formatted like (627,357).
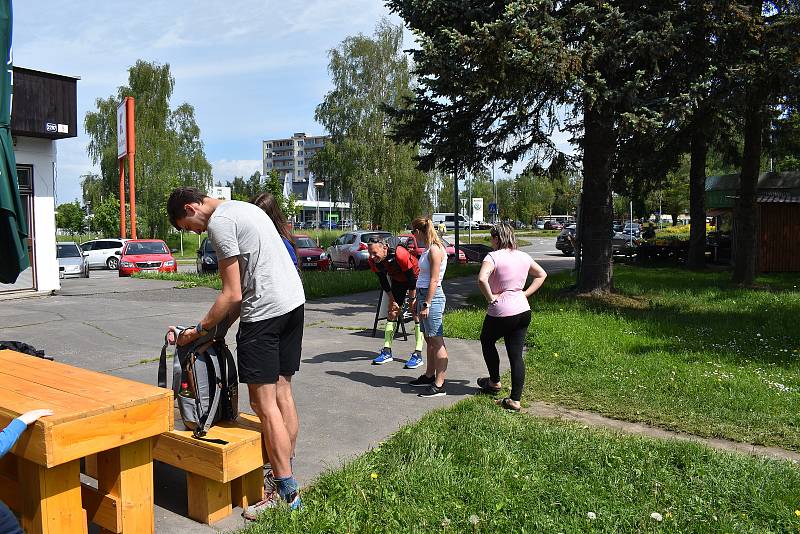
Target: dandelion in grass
(591,515)
(655,516)
(445,523)
(474,519)
(797,513)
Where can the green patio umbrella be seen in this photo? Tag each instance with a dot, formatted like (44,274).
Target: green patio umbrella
(13,226)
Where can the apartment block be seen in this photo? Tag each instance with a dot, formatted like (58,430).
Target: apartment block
(291,154)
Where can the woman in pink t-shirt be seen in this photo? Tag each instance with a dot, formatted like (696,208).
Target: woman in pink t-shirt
(501,280)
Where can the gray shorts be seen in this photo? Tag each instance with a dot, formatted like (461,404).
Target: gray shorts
(432,326)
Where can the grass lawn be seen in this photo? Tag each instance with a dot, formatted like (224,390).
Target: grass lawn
(317,284)
(476,468)
(677,349)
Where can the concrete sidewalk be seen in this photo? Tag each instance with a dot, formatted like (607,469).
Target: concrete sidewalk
(345,404)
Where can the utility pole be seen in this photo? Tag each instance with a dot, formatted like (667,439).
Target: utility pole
(455,212)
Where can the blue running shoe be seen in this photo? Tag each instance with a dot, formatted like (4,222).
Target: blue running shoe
(414,361)
(384,356)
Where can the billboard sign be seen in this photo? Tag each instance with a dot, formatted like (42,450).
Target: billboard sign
(122,130)
(221,193)
(477,210)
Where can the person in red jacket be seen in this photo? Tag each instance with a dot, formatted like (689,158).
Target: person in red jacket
(397,271)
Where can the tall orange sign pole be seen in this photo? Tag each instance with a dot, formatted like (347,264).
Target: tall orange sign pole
(126,146)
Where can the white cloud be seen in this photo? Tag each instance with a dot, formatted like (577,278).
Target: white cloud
(226,169)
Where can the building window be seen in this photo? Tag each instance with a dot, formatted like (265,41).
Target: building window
(300,173)
(300,163)
(25,178)
(269,145)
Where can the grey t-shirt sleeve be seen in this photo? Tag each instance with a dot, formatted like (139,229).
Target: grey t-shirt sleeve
(222,233)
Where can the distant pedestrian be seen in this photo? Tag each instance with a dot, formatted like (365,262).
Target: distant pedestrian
(267,202)
(9,436)
(501,281)
(430,306)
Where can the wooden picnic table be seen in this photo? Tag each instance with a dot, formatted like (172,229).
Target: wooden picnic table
(94,413)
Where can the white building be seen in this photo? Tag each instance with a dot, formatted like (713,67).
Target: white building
(291,154)
(45,110)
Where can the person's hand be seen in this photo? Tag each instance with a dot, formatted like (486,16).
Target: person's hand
(172,334)
(412,304)
(423,313)
(494,299)
(34,415)
(394,307)
(187,336)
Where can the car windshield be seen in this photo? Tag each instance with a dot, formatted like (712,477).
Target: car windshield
(305,242)
(68,251)
(365,238)
(146,247)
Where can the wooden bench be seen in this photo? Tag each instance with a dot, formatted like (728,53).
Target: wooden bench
(218,476)
(93,414)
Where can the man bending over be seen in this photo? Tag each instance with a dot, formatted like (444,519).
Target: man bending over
(397,271)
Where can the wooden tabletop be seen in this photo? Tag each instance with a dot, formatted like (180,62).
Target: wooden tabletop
(93,411)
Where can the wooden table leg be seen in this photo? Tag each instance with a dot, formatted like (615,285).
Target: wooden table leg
(127,473)
(209,500)
(248,489)
(51,498)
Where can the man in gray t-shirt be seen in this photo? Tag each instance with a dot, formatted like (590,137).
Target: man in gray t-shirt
(260,284)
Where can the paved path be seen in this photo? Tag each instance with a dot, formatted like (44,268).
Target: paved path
(346,405)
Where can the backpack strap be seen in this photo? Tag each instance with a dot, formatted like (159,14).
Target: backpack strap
(162,360)
(205,424)
(162,364)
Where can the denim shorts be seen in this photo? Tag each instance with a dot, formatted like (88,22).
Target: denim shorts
(432,326)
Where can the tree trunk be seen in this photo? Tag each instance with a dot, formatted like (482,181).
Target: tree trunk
(674,218)
(599,141)
(746,209)
(697,192)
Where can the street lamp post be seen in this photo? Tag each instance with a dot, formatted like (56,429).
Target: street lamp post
(318,184)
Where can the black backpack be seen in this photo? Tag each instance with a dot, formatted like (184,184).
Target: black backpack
(204,381)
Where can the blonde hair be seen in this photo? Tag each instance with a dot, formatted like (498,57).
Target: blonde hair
(425,225)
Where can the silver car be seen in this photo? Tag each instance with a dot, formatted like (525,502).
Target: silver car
(72,260)
(350,249)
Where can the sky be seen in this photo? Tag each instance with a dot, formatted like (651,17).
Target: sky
(252,69)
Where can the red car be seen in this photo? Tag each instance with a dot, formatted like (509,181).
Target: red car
(310,255)
(146,255)
(411,242)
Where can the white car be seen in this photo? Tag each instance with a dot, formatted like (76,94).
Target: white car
(102,253)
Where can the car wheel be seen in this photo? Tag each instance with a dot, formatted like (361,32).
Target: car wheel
(351,264)
(112,263)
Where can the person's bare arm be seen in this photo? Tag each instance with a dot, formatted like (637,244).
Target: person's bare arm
(435,257)
(487,268)
(228,302)
(538,275)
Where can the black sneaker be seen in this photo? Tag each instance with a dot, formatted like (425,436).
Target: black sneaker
(433,391)
(422,381)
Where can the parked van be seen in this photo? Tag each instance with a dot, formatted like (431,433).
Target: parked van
(448,220)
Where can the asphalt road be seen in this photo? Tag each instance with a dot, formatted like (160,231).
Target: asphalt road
(346,406)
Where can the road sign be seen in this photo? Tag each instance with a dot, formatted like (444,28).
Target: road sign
(492,208)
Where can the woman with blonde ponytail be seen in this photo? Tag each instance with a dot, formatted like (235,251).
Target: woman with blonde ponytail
(430,306)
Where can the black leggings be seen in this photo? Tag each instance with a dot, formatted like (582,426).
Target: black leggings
(513,329)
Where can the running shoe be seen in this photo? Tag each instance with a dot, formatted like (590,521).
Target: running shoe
(271,502)
(414,361)
(433,391)
(384,356)
(422,381)
(294,501)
